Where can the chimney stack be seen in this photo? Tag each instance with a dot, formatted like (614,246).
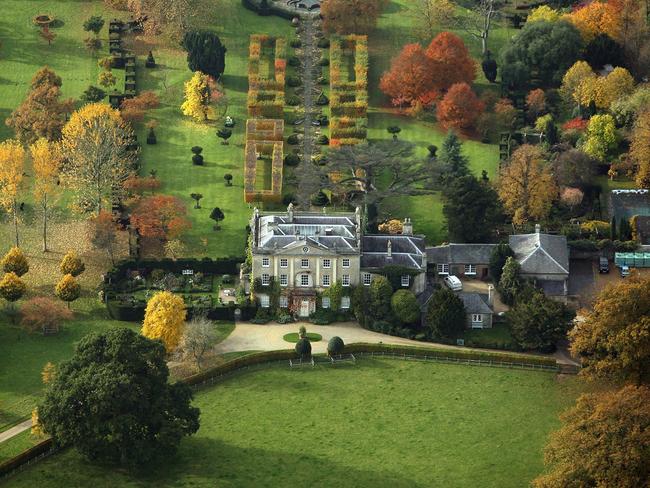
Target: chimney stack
(290,212)
(491,296)
(538,228)
(407,227)
(390,250)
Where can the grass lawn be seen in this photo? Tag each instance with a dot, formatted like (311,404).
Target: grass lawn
(23,356)
(497,336)
(379,423)
(14,446)
(294,337)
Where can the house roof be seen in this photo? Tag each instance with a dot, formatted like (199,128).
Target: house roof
(460,253)
(336,233)
(406,250)
(541,253)
(475,303)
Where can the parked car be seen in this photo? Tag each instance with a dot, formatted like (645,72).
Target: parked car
(603,265)
(453,283)
(625,271)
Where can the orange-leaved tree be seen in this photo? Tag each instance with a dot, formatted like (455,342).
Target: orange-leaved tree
(451,60)
(410,78)
(459,108)
(161,217)
(350,16)
(12,163)
(640,148)
(595,18)
(46,163)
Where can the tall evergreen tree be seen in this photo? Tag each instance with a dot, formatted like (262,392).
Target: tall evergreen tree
(446,316)
(624,230)
(205,53)
(472,209)
(452,162)
(510,282)
(613,235)
(498,259)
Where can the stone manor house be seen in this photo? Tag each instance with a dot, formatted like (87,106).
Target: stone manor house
(308,252)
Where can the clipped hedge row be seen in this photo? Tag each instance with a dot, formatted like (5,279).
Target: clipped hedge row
(272,9)
(229,265)
(452,353)
(26,456)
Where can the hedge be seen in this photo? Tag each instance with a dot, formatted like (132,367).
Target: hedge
(229,265)
(271,10)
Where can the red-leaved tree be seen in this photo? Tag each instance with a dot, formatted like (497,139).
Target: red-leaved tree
(459,108)
(451,61)
(161,217)
(409,80)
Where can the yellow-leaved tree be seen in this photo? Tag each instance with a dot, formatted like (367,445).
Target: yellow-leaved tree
(615,85)
(595,18)
(573,79)
(15,261)
(197,97)
(543,12)
(95,145)
(12,163)
(527,187)
(640,148)
(164,319)
(46,164)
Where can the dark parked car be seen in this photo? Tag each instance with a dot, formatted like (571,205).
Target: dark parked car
(603,265)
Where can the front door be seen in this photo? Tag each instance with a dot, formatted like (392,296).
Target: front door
(304,308)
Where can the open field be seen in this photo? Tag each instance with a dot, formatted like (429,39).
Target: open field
(379,423)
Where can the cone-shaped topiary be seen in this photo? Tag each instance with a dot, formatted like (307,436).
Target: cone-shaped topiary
(72,264)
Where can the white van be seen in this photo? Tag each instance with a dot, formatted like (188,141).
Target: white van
(453,283)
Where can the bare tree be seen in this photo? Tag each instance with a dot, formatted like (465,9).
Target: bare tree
(431,15)
(198,338)
(477,21)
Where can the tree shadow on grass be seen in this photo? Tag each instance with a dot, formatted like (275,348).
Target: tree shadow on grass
(202,461)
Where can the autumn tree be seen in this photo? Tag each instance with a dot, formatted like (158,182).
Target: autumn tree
(42,314)
(49,370)
(42,113)
(451,61)
(46,164)
(409,79)
(505,114)
(430,15)
(543,12)
(67,289)
(15,262)
(602,137)
(609,340)
(604,441)
(640,148)
(95,145)
(197,97)
(12,163)
(134,109)
(459,108)
(72,264)
(595,18)
(171,16)
(350,16)
(573,81)
(526,186)
(205,53)
(164,319)
(198,337)
(536,103)
(103,233)
(161,217)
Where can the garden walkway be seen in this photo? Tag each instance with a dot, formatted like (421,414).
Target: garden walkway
(15,430)
(307,178)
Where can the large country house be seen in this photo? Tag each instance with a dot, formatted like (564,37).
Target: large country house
(308,252)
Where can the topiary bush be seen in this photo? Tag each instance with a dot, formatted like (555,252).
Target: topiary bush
(322,100)
(295,43)
(335,346)
(294,81)
(303,348)
(197,160)
(293,139)
(150,62)
(322,140)
(320,199)
(323,120)
(324,61)
(323,43)
(293,100)
(293,61)
(292,159)
(151,137)
(197,149)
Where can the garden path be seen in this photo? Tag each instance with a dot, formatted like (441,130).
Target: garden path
(15,430)
(308,182)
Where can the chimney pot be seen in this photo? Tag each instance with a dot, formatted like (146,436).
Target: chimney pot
(538,228)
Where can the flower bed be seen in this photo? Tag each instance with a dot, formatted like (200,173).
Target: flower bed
(266,96)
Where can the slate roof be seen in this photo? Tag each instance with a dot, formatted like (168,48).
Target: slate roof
(541,253)
(460,254)
(475,303)
(333,232)
(408,251)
